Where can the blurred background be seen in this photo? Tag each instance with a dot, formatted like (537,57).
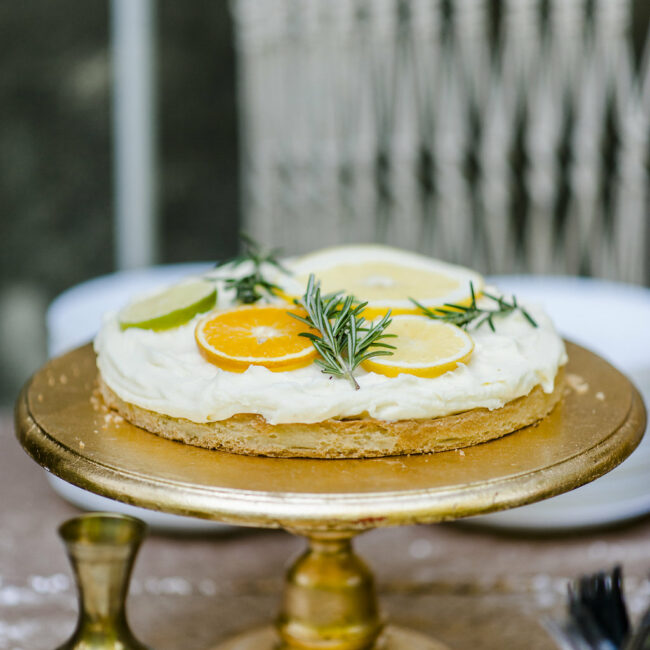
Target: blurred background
(509,135)
(57,180)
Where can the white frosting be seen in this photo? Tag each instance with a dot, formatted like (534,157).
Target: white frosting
(164,372)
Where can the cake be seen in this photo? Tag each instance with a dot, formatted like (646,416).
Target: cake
(447,378)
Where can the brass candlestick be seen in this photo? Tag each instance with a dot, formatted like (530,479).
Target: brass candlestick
(102,548)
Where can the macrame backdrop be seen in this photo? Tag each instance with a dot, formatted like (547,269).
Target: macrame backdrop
(508,135)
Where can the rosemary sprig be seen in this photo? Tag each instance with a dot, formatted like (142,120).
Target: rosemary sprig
(463,315)
(344,338)
(251,288)
(254,286)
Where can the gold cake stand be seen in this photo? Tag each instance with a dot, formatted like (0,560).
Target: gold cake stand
(329,599)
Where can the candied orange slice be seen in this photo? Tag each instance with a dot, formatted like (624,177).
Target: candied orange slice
(255,336)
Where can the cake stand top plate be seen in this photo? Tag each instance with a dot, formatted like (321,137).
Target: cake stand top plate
(62,424)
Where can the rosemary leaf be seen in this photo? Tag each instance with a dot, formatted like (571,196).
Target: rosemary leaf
(253,287)
(472,314)
(346,339)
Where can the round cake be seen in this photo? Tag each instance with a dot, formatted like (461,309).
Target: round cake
(460,364)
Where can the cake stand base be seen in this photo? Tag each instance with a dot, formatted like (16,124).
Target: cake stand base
(393,638)
(330,603)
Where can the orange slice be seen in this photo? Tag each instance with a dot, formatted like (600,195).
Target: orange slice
(423,347)
(255,336)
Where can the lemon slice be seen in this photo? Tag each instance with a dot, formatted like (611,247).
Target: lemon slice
(267,336)
(387,277)
(171,307)
(424,347)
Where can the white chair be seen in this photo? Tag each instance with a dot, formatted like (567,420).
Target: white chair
(414,123)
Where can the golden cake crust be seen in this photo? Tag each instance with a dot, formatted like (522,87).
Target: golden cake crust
(363,437)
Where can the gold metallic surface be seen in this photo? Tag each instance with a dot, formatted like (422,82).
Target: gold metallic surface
(393,638)
(584,437)
(329,599)
(102,548)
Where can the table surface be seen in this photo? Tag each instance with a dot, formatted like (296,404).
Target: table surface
(472,588)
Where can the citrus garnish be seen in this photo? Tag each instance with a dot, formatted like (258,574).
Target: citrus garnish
(340,333)
(171,307)
(423,347)
(255,336)
(257,284)
(386,278)
(471,314)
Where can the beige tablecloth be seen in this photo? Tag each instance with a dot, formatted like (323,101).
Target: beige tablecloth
(474,589)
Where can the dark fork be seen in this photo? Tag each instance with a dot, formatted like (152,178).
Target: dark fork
(597,617)
(601,595)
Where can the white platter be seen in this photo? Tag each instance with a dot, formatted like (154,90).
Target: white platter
(72,320)
(613,319)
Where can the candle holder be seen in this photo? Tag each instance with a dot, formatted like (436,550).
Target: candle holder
(102,549)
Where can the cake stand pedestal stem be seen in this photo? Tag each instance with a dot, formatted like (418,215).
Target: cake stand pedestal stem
(329,598)
(330,603)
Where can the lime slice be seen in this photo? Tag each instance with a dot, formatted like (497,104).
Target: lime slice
(171,307)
